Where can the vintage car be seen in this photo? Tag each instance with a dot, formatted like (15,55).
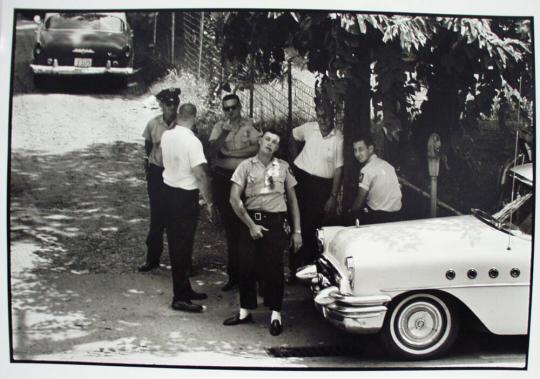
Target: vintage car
(417,281)
(83,44)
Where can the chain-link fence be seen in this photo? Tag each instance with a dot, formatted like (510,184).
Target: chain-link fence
(267,101)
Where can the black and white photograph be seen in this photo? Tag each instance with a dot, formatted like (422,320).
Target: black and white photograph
(223,189)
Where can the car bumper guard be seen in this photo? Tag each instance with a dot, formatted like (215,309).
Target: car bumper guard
(356,314)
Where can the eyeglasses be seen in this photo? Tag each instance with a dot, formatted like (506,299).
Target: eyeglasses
(231,108)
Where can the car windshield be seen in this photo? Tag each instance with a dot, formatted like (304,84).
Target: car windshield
(89,21)
(515,217)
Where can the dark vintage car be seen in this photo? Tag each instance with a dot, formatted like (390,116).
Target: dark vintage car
(83,44)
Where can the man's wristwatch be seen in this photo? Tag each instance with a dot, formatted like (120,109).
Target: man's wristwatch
(297,232)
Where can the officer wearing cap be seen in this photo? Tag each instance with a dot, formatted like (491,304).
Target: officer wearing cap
(232,140)
(168,99)
(264,181)
(379,192)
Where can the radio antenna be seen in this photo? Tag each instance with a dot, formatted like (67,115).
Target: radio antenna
(515,158)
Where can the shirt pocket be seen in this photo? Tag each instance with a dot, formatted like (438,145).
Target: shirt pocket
(279,183)
(251,185)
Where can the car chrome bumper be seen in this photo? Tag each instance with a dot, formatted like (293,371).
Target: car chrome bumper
(356,314)
(351,313)
(72,70)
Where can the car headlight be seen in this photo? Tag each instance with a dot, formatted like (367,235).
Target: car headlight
(320,240)
(349,263)
(127,51)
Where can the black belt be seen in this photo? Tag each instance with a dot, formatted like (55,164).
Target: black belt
(298,171)
(261,215)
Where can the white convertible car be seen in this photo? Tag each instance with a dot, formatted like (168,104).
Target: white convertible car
(414,281)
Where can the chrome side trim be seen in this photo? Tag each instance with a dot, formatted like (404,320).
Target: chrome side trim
(456,286)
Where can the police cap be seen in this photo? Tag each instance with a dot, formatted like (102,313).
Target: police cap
(169,96)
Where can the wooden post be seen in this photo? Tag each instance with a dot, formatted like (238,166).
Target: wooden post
(173,19)
(201,37)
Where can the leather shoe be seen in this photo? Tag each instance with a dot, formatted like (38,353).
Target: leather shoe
(276,328)
(148,267)
(197,295)
(236,320)
(186,306)
(229,285)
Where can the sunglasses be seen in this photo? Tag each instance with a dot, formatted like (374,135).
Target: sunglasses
(231,108)
(271,182)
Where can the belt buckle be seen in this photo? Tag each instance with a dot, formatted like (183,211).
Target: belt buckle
(257,216)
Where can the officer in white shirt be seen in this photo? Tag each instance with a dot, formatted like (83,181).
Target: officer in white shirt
(319,170)
(379,192)
(184,175)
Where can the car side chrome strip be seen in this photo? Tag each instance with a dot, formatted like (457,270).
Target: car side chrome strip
(456,286)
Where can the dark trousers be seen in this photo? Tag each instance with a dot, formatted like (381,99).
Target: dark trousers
(370,217)
(266,253)
(181,217)
(154,240)
(312,193)
(231,222)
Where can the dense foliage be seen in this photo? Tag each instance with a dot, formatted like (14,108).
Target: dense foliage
(465,68)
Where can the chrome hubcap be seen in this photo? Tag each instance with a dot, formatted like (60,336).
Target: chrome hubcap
(420,324)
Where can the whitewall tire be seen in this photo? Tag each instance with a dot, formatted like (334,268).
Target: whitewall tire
(420,326)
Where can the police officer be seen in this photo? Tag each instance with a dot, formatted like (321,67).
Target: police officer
(232,140)
(264,181)
(379,192)
(168,101)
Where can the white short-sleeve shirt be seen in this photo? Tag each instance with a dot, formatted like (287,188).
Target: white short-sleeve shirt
(321,156)
(182,151)
(379,178)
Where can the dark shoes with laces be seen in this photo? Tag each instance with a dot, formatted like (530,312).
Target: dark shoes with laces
(186,306)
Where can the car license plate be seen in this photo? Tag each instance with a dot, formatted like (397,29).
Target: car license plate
(83,62)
